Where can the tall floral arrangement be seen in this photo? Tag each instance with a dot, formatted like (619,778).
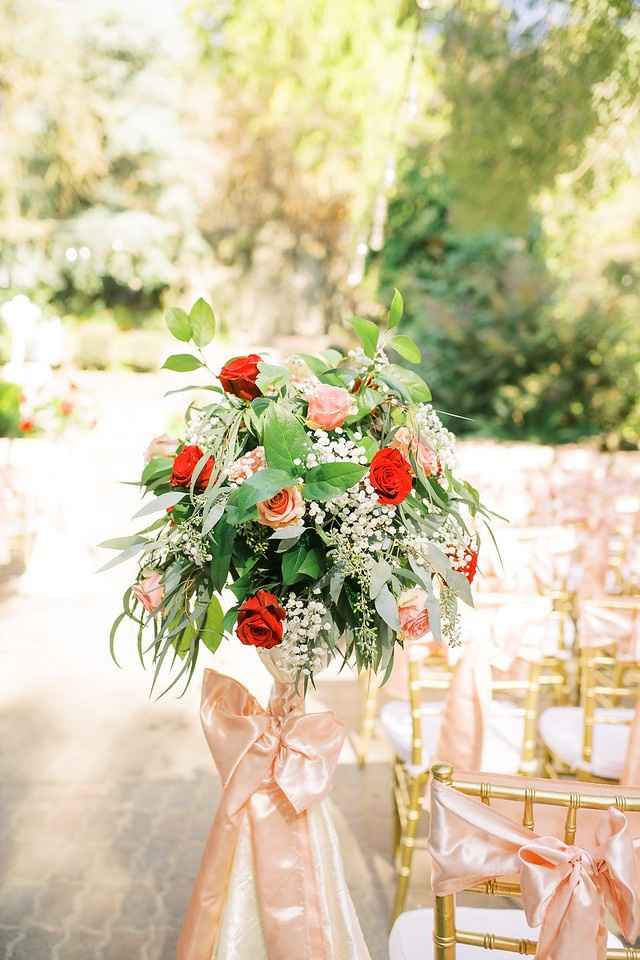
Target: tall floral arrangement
(311,506)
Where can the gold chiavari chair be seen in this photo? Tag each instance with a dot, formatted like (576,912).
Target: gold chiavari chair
(510,744)
(558,808)
(590,741)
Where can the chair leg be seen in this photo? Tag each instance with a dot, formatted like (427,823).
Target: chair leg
(407,845)
(368,720)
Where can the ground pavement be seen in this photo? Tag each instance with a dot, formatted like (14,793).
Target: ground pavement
(106,797)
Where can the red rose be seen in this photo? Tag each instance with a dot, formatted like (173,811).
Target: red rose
(184,465)
(239,377)
(390,475)
(471,565)
(260,621)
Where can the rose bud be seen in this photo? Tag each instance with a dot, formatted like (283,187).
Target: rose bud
(162,446)
(184,465)
(390,476)
(239,377)
(260,621)
(150,591)
(413,613)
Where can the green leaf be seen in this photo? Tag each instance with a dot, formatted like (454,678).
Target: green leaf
(406,348)
(182,363)
(221,551)
(213,629)
(396,309)
(300,562)
(203,323)
(407,383)
(179,324)
(230,618)
(370,447)
(156,468)
(261,486)
(315,364)
(285,440)
(367,400)
(367,332)
(271,375)
(329,480)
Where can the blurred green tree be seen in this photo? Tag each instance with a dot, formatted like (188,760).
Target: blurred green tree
(102,171)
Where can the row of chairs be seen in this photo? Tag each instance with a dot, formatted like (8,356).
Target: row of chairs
(479,843)
(530,726)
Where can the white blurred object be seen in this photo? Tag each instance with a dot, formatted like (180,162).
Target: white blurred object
(21,316)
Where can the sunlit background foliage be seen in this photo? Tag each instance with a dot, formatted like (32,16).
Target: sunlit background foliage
(285,159)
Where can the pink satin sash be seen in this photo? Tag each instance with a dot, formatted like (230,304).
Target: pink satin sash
(464,715)
(274,765)
(566,890)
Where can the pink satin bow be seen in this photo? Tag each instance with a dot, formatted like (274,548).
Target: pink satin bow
(274,765)
(566,890)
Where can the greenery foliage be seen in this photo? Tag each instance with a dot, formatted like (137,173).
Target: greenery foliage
(500,345)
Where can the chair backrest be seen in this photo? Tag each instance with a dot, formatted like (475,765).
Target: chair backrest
(528,795)
(429,675)
(606,683)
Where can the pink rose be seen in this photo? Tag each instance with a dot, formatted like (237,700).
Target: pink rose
(408,444)
(413,613)
(245,466)
(150,591)
(285,509)
(163,446)
(329,407)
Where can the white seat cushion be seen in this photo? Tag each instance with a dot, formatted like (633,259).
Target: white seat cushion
(503,741)
(561,729)
(411,937)
(395,718)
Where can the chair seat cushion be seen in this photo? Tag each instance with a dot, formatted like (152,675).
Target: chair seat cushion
(503,739)
(561,729)
(411,937)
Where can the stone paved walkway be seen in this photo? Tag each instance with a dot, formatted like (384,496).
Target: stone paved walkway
(106,797)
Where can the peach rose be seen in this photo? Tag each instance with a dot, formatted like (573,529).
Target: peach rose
(413,613)
(329,407)
(408,443)
(150,591)
(245,466)
(285,509)
(163,446)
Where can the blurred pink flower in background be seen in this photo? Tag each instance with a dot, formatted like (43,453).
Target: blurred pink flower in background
(162,446)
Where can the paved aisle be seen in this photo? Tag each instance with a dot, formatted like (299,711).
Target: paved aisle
(106,798)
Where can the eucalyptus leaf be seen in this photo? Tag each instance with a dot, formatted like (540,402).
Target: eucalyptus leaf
(212,518)
(122,557)
(221,552)
(288,533)
(380,575)
(388,608)
(203,323)
(122,543)
(179,324)
(163,502)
